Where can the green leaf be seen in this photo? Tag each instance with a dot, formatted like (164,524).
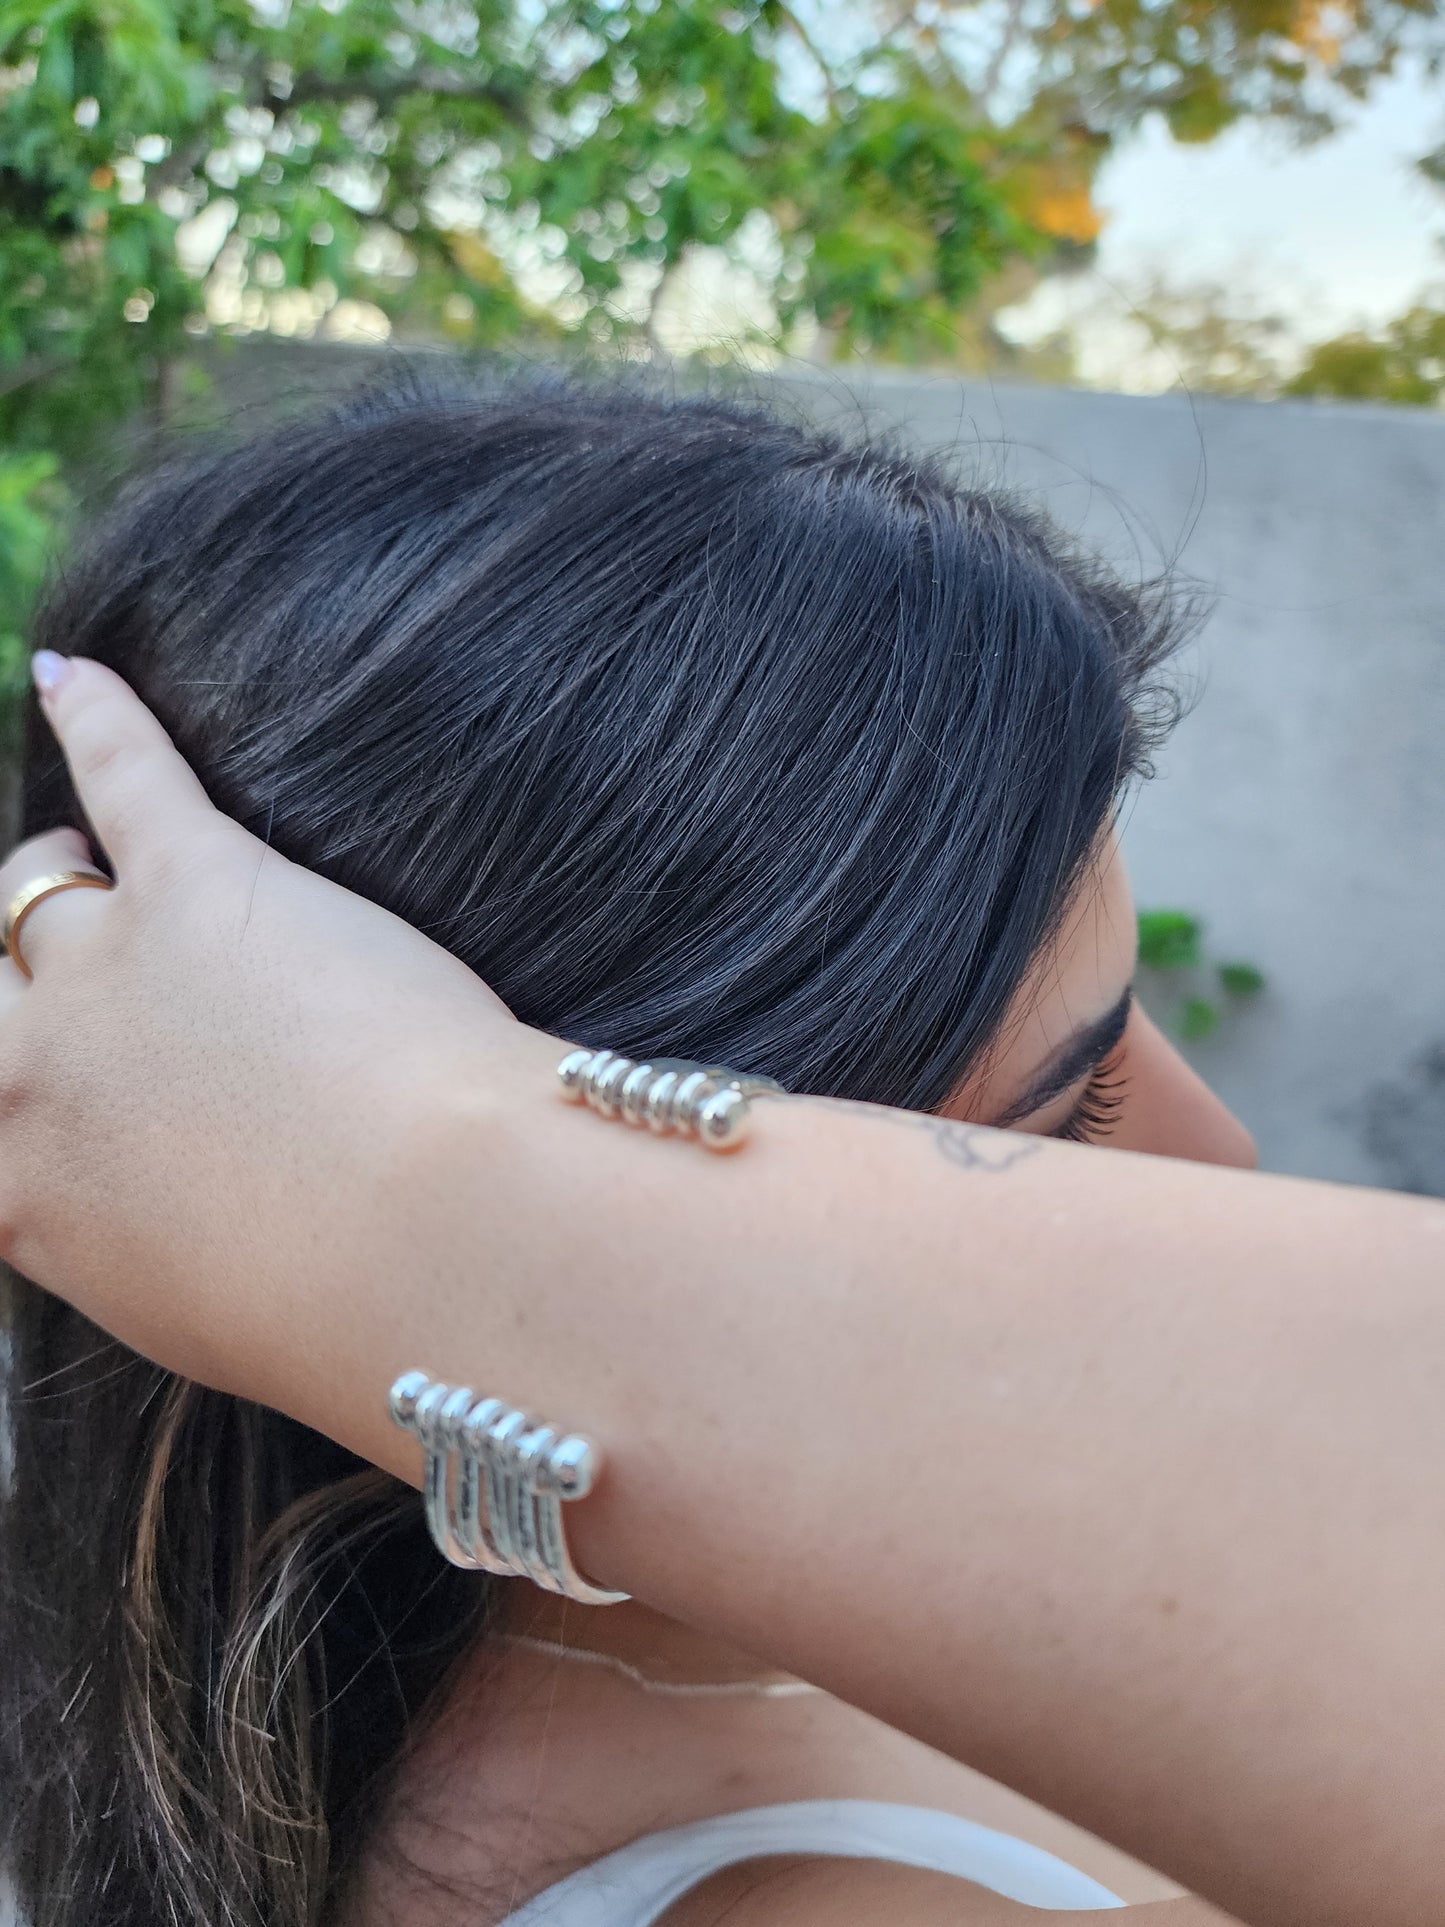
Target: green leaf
(1169,939)
(1198,1019)
(1241,979)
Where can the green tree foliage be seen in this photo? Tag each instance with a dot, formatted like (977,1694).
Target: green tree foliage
(1404,362)
(1204,64)
(472,169)
(28,488)
(1213,340)
(476,167)
(172,170)
(478,170)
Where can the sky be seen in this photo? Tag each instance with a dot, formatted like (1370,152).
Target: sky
(1331,236)
(1341,231)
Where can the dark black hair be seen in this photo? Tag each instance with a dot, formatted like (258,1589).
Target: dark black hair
(691,729)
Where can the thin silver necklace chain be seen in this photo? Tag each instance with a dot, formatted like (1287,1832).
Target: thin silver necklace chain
(668,1689)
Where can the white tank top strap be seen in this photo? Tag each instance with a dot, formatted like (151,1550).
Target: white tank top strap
(638,1883)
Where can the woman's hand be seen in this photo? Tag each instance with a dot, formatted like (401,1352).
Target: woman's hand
(209,1080)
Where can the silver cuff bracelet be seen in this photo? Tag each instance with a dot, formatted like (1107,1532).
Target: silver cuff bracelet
(494,1484)
(705,1101)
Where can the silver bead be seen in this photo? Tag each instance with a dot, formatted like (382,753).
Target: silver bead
(609,1086)
(570,1073)
(686,1099)
(605,1080)
(569,1470)
(424,1416)
(632,1097)
(657,1112)
(723,1120)
(478,1422)
(450,1415)
(404,1395)
(598,1065)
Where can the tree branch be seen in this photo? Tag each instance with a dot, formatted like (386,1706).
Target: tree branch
(178,166)
(1007,41)
(182,162)
(306,88)
(33,368)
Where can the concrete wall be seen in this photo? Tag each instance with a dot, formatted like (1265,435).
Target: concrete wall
(1300,808)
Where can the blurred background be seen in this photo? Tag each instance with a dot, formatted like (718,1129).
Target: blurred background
(1175,266)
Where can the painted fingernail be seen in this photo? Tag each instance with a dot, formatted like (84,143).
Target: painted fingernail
(49,670)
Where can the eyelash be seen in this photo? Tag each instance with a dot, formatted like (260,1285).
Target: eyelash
(1097,1111)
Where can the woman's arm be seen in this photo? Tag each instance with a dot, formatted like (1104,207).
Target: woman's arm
(1116,1478)
(1119,1479)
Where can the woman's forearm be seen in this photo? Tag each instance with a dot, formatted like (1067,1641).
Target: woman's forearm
(1118,1479)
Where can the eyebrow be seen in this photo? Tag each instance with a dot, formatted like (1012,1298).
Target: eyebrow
(1074,1058)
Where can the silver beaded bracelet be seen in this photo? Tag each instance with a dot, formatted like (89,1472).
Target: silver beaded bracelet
(494,1484)
(705,1101)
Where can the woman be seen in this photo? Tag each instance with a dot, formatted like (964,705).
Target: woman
(1032,653)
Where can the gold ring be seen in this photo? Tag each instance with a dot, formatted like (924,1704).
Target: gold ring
(29,894)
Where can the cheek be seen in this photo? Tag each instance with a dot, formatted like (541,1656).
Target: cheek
(1168,1109)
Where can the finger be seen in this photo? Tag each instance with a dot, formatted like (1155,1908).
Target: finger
(13,986)
(43,855)
(136,788)
(61,914)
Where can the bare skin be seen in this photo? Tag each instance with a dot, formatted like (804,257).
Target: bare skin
(529,1718)
(1170,1557)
